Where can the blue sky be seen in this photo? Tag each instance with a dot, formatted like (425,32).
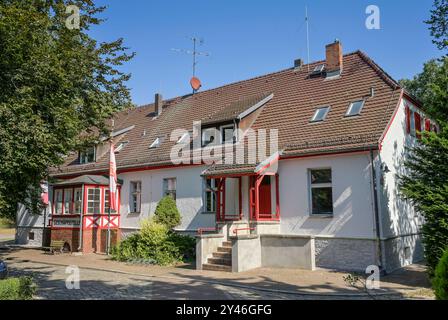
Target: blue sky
(254,37)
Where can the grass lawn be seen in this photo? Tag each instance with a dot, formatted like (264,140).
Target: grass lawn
(6,224)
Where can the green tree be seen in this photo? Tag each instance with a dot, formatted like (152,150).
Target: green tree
(167,213)
(439,24)
(55,82)
(426,185)
(440,281)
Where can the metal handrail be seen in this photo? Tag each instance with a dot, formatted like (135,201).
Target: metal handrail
(235,231)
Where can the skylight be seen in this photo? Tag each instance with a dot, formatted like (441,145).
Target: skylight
(319,69)
(121,146)
(185,138)
(155,144)
(320,114)
(355,108)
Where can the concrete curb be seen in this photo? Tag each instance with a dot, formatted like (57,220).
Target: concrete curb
(234,285)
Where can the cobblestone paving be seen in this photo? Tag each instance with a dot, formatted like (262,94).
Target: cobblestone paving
(100,285)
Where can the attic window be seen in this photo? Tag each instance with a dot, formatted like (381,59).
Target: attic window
(155,144)
(355,108)
(319,69)
(185,138)
(87,156)
(121,146)
(320,114)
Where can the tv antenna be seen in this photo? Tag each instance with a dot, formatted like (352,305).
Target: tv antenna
(195,82)
(307,36)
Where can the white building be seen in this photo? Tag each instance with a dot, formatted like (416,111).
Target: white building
(328,198)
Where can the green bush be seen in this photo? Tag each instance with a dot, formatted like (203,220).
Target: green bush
(22,288)
(155,243)
(6,223)
(440,280)
(167,213)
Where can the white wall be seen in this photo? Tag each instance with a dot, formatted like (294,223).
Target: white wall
(398,215)
(188,192)
(352,197)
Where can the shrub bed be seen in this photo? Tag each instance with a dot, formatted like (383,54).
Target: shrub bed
(157,244)
(22,288)
(440,280)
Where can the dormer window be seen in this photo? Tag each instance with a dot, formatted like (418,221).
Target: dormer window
(319,69)
(155,144)
(209,136)
(87,156)
(121,146)
(320,114)
(184,139)
(227,134)
(355,108)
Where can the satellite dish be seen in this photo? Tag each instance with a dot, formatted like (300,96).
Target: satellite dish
(195,83)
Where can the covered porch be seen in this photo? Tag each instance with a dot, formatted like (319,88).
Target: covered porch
(80,214)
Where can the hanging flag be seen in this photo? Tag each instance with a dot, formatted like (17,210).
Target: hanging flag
(113,193)
(44,193)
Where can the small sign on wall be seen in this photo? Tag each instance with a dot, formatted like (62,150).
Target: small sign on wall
(66,222)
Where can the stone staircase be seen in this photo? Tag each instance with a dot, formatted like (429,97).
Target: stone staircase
(221,260)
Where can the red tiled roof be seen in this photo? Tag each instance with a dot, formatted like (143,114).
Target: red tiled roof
(296,97)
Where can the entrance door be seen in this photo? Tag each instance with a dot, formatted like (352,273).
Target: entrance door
(265,198)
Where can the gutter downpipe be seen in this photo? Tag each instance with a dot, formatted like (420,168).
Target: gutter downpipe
(377,213)
(81,219)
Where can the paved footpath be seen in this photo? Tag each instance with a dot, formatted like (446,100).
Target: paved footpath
(105,285)
(101,278)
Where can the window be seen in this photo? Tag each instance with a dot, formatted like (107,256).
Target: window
(31,236)
(185,138)
(355,108)
(320,114)
(121,146)
(93,200)
(210,195)
(169,187)
(209,136)
(136,191)
(155,144)
(321,192)
(412,123)
(77,203)
(87,156)
(68,193)
(319,69)
(106,202)
(227,134)
(58,201)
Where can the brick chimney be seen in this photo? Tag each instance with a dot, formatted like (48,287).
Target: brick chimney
(158,104)
(334,62)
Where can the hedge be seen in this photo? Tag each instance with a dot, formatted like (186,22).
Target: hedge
(22,288)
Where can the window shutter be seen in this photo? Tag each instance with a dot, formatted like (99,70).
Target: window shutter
(418,125)
(408,120)
(427,125)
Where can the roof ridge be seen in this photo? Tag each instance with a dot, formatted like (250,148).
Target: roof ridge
(380,71)
(247,80)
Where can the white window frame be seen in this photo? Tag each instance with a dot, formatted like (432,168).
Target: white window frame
(222,130)
(213,143)
(106,202)
(58,201)
(210,190)
(166,190)
(135,197)
(121,146)
(182,139)
(413,129)
(328,108)
(93,201)
(317,186)
(155,144)
(350,108)
(75,201)
(69,202)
